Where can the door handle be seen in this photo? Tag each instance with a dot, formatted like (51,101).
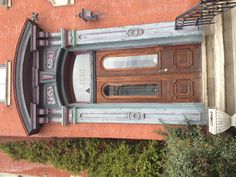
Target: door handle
(163,70)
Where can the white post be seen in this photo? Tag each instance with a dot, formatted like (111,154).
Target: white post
(219,64)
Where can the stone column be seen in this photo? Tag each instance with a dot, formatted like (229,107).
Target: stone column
(219,64)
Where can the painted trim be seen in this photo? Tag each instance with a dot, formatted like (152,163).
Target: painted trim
(19,79)
(62,38)
(191,39)
(136,37)
(73,33)
(109,38)
(156,34)
(8,83)
(134,33)
(23,41)
(204,72)
(149,113)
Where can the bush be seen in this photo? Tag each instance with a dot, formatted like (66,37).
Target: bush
(126,159)
(191,152)
(95,156)
(187,152)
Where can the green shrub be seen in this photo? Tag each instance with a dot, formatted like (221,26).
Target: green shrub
(187,152)
(192,152)
(126,159)
(103,158)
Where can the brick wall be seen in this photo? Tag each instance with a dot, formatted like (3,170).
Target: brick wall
(112,13)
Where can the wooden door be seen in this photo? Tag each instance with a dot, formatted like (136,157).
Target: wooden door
(157,74)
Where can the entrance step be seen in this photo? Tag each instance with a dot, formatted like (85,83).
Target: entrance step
(220,54)
(229,28)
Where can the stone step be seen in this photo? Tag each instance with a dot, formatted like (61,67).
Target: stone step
(220,55)
(229,28)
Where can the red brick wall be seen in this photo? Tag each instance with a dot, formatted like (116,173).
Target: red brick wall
(113,13)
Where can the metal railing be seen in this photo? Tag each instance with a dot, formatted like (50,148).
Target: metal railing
(203,13)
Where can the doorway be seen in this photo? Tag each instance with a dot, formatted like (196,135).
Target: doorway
(156,74)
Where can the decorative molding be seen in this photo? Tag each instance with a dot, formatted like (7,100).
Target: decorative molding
(54,111)
(183,58)
(65,36)
(50,95)
(205,72)
(143,114)
(36,94)
(43,120)
(165,30)
(33,115)
(50,58)
(21,62)
(46,77)
(74,115)
(135,32)
(73,36)
(136,116)
(42,111)
(42,34)
(33,39)
(35,77)
(183,89)
(120,116)
(65,116)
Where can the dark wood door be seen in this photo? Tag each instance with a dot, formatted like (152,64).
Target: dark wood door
(157,74)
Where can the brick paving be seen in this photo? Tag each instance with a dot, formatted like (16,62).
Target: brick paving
(23,167)
(112,13)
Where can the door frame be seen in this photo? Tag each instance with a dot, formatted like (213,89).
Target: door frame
(158,34)
(181,82)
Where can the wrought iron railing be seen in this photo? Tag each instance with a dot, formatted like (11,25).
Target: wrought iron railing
(203,13)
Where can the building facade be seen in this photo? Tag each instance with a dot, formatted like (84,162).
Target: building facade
(123,76)
(118,77)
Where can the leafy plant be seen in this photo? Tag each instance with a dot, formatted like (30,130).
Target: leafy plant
(188,151)
(191,152)
(98,157)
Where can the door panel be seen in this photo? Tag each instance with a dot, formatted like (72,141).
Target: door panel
(175,78)
(185,58)
(151,68)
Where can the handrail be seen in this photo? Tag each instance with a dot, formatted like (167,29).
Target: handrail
(203,13)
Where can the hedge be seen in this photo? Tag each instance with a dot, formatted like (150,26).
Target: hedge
(187,152)
(97,157)
(191,152)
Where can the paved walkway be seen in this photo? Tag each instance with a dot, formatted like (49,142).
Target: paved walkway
(24,167)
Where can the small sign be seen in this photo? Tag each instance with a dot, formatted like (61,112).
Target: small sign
(83,78)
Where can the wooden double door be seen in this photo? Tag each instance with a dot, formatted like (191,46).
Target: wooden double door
(157,74)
